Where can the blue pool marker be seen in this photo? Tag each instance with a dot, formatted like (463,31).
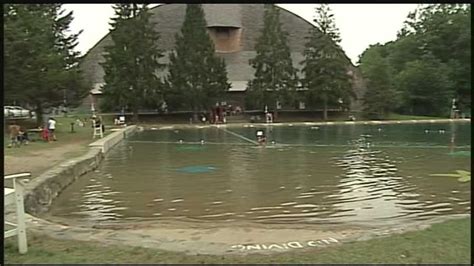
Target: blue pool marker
(197,169)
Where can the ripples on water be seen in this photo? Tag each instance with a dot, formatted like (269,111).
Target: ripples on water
(359,183)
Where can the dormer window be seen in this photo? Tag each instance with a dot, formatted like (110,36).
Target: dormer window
(226,39)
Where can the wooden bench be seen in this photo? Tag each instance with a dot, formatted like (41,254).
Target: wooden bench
(14,196)
(35,134)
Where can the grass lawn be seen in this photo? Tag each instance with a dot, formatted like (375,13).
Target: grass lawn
(447,242)
(393,116)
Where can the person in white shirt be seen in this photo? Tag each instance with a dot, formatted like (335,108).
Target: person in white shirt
(51,128)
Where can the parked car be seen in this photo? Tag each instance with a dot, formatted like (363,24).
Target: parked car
(16,111)
(7,112)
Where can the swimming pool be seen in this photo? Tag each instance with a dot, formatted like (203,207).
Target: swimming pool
(337,174)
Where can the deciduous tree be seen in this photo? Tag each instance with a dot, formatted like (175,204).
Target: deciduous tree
(425,87)
(380,97)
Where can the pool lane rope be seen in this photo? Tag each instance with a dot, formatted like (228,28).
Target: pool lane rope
(294,144)
(240,136)
(188,142)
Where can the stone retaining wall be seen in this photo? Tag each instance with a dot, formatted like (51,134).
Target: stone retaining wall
(42,190)
(112,139)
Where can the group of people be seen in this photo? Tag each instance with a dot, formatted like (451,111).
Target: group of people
(48,132)
(19,134)
(218,114)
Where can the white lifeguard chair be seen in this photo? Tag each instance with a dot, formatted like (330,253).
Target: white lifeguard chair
(14,196)
(97,129)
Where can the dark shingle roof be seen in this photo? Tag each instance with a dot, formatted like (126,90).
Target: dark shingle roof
(249,17)
(219,15)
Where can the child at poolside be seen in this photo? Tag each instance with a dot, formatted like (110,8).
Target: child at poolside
(14,131)
(23,136)
(45,134)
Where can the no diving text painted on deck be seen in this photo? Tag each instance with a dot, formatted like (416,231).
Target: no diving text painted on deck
(288,245)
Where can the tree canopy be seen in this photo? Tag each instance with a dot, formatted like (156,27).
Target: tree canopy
(428,64)
(380,97)
(275,77)
(132,61)
(41,65)
(325,67)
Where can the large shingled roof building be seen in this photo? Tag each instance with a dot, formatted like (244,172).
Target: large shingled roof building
(234,28)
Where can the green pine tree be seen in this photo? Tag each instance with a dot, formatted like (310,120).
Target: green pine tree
(275,78)
(131,62)
(197,78)
(41,66)
(325,66)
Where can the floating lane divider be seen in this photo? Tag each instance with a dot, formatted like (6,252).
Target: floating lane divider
(239,136)
(297,144)
(187,142)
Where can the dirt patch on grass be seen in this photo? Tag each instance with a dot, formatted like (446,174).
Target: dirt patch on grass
(40,160)
(443,243)
(218,239)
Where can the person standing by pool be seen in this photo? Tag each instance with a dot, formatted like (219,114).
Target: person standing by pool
(51,129)
(14,131)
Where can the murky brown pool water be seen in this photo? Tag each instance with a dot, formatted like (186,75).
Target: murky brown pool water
(375,174)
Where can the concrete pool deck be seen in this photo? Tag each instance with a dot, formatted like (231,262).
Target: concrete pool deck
(192,238)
